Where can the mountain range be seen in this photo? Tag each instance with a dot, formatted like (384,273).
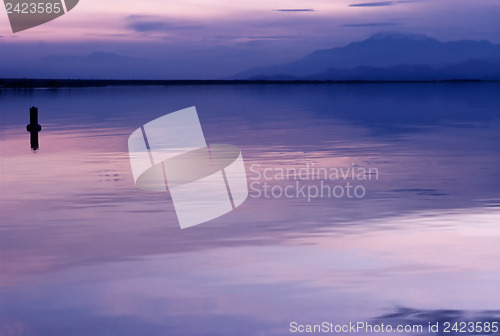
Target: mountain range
(391,57)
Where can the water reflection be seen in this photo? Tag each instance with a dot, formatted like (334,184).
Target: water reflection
(34,140)
(444,322)
(94,255)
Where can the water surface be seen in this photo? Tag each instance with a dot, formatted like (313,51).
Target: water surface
(84,252)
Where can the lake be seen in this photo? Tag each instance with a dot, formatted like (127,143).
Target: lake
(85,252)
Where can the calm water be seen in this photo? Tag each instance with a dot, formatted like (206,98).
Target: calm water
(84,252)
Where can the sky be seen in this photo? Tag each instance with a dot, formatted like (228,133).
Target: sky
(210,39)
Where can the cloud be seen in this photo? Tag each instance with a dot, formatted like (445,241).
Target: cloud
(373,4)
(145,23)
(383,3)
(371,24)
(296,10)
(268,37)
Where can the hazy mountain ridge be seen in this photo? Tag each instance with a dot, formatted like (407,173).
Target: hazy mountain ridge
(391,56)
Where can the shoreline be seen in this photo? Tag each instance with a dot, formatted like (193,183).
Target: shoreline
(32,83)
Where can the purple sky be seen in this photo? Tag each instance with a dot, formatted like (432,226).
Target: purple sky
(202,38)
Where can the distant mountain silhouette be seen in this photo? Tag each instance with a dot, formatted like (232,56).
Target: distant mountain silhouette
(391,56)
(98,64)
(97,56)
(469,70)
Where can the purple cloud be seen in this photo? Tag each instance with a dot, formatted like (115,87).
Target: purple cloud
(146,23)
(373,4)
(296,10)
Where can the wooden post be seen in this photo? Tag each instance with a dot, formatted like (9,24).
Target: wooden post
(33,127)
(33,116)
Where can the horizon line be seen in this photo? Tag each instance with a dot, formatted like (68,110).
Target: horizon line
(28,83)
